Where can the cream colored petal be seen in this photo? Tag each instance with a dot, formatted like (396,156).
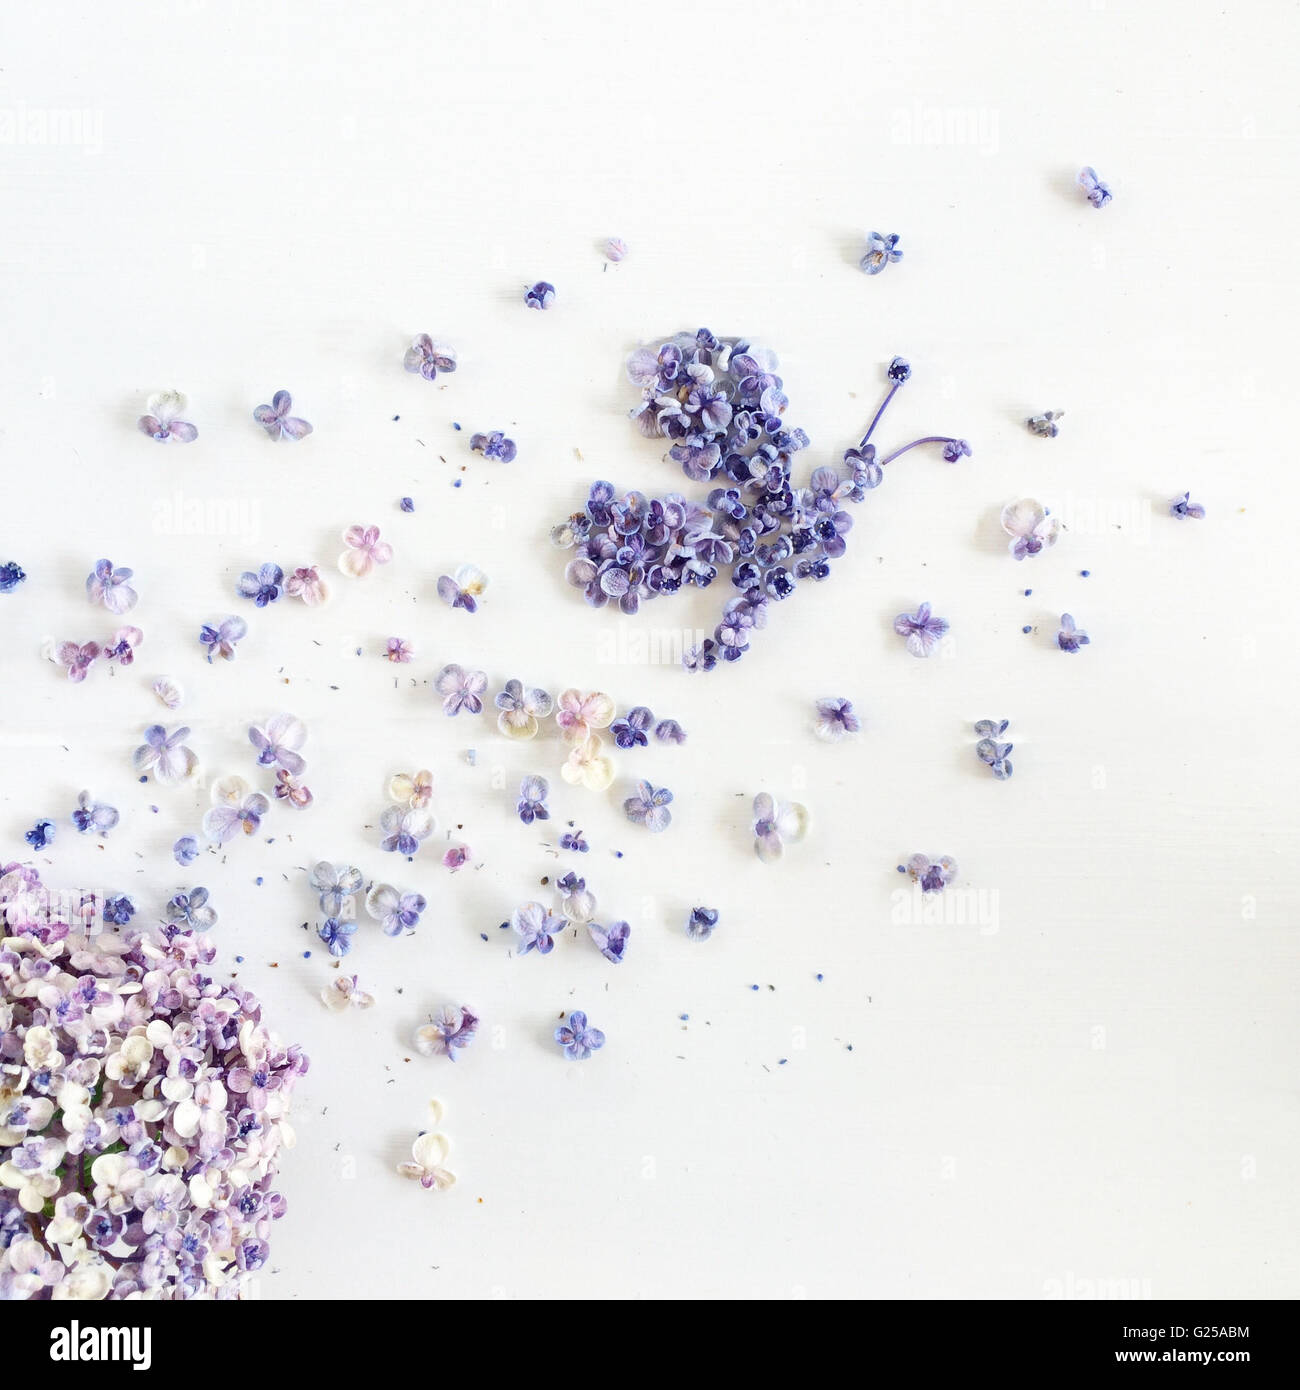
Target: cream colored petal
(430,1149)
(356,563)
(793,821)
(598,710)
(229,791)
(517,724)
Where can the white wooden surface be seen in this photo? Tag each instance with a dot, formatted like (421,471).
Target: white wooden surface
(1093,1092)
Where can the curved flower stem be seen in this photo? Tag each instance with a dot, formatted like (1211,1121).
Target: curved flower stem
(929,439)
(875,419)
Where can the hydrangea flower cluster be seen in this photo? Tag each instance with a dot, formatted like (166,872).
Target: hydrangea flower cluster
(143,1107)
(721,404)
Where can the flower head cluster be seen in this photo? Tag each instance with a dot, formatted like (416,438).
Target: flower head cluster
(12,575)
(720,405)
(143,1108)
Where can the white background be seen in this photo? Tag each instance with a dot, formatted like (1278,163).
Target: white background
(1102,1088)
